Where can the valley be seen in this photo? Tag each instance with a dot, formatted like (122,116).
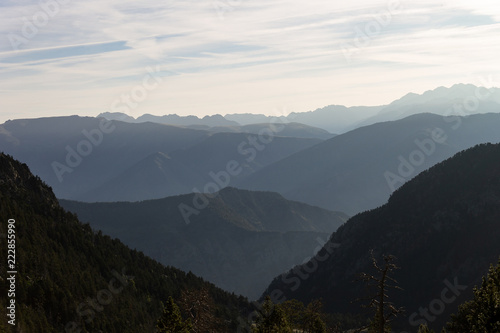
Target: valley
(279,209)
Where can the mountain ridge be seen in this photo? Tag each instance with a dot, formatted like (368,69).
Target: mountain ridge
(195,168)
(358,170)
(442,226)
(71,278)
(236,239)
(341,119)
(79,155)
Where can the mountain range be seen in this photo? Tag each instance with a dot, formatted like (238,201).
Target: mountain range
(459,99)
(237,239)
(194,168)
(443,227)
(76,154)
(92,159)
(240,199)
(171,119)
(358,170)
(351,172)
(70,278)
(286,129)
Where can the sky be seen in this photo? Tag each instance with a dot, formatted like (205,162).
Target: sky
(67,57)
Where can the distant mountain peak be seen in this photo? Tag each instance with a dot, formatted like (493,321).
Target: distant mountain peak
(117,116)
(441,93)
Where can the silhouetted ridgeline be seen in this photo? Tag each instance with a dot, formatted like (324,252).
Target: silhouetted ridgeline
(70,277)
(443,226)
(349,172)
(238,240)
(91,159)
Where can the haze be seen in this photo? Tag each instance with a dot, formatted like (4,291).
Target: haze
(237,56)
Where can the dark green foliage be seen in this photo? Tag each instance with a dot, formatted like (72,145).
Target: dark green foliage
(171,320)
(424,329)
(199,307)
(443,225)
(341,322)
(290,315)
(223,242)
(64,267)
(482,314)
(311,318)
(294,310)
(272,319)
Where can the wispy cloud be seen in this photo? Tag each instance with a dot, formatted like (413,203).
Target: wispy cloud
(237,56)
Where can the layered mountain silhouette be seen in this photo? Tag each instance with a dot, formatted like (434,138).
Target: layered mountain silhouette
(76,154)
(171,119)
(90,159)
(286,129)
(194,168)
(459,99)
(70,278)
(358,170)
(237,239)
(333,118)
(336,118)
(249,123)
(443,227)
(351,172)
(438,209)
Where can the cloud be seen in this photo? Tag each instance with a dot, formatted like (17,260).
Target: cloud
(226,56)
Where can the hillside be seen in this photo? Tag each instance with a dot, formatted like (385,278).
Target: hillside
(292,129)
(70,277)
(286,129)
(171,119)
(238,240)
(358,170)
(443,227)
(76,154)
(179,172)
(332,118)
(250,123)
(84,158)
(335,118)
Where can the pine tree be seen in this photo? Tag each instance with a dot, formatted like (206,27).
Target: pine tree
(482,314)
(200,308)
(312,322)
(272,319)
(171,321)
(279,322)
(294,311)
